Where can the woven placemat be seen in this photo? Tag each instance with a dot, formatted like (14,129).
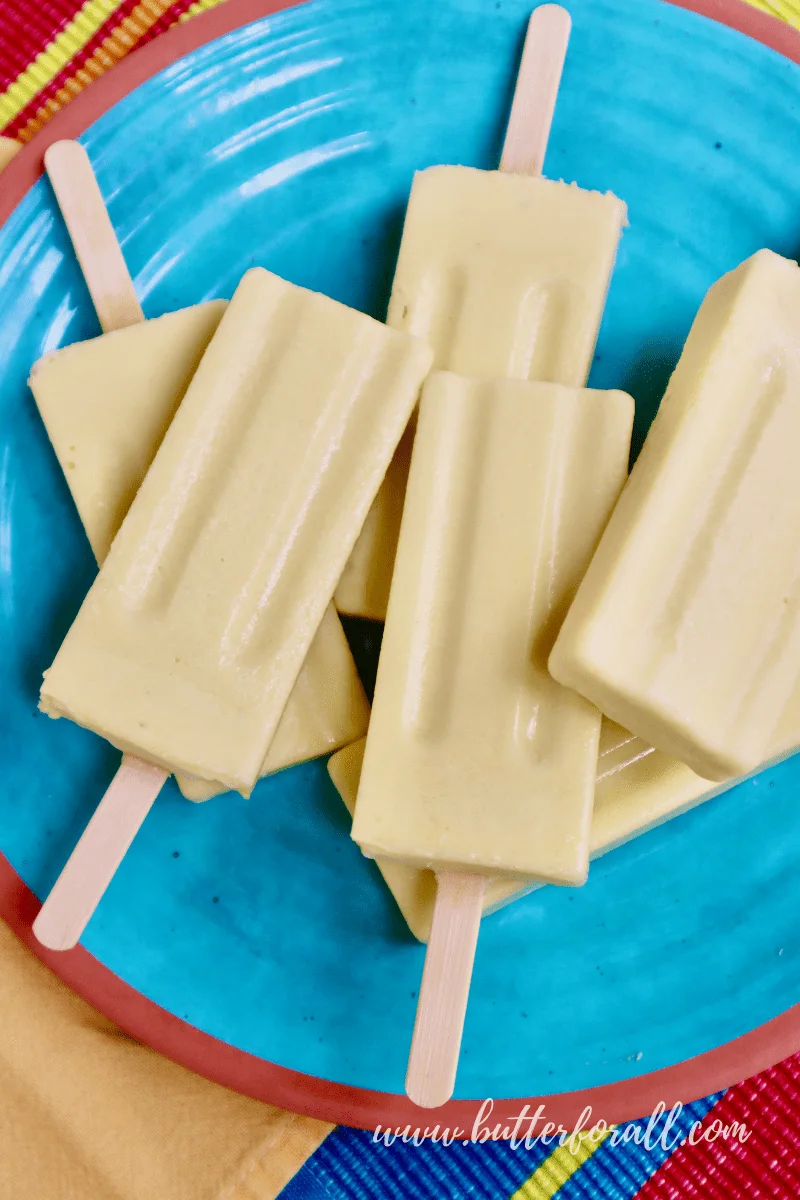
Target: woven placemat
(52,49)
(744,1143)
(740,1144)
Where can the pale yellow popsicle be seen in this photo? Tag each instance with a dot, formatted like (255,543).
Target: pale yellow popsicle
(9,149)
(506,276)
(686,628)
(475,758)
(106,404)
(637,789)
(188,644)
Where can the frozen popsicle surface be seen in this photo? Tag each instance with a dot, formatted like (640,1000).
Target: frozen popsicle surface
(191,639)
(326,709)
(506,276)
(107,404)
(686,628)
(476,759)
(637,789)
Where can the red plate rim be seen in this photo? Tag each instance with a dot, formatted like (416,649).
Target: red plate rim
(208,1056)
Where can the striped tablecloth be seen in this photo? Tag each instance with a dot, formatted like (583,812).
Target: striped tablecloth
(745,1142)
(51,49)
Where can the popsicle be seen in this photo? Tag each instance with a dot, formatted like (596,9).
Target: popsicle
(105,448)
(687,626)
(403,364)
(477,763)
(637,788)
(106,404)
(147,368)
(503,272)
(193,634)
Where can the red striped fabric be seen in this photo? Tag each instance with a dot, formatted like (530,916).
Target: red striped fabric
(26,29)
(169,18)
(764,1167)
(107,29)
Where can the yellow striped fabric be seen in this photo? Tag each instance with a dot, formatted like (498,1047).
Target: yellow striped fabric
(57,55)
(558,1167)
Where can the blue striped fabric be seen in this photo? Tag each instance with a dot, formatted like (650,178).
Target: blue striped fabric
(350,1166)
(617,1172)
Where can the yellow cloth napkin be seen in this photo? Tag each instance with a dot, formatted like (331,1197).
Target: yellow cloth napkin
(785,10)
(86,1113)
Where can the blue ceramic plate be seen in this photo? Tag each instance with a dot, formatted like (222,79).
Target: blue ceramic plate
(291,142)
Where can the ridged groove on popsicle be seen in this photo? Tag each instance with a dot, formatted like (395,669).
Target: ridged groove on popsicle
(476,297)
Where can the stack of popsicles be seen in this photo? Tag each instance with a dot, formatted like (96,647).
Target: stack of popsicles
(258,459)
(257,435)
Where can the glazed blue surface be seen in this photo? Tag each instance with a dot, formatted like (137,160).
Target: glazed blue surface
(292,143)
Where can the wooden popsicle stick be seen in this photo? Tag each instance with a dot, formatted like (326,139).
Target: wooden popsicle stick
(92,234)
(444,990)
(535,96)
(102,847)
(133,791)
